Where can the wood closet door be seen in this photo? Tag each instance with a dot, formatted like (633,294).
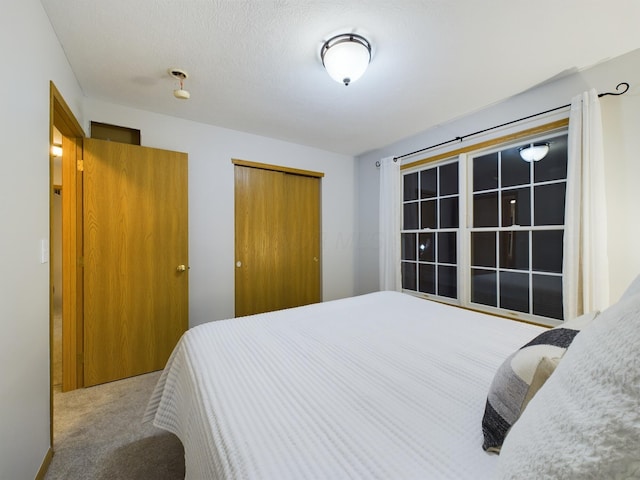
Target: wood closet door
(136,292)
(277,240)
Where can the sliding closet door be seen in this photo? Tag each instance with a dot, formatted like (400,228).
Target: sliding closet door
(277,239)
(301,232)
(259,213)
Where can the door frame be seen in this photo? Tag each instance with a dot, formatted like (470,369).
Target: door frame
(61,116)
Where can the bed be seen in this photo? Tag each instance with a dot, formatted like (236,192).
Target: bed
(378,386)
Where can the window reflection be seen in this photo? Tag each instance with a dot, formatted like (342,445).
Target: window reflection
(484,287)
(428,183)
(429,214)
(554,166)
(408,246)
(448,281)
(449,179)
(485,172)
(549,204)
(485,210)
(447,252)
(427,278)
(410,186)
(514,291)
(516,207)
(409,275)
(513,170)
(410,217)
(483,249)
(547,296)
(426,247)
(514,250)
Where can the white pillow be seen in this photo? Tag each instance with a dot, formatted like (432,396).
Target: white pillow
(584,423)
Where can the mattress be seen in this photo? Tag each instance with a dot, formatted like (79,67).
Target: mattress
(378,386)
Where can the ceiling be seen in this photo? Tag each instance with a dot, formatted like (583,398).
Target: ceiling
(254,66)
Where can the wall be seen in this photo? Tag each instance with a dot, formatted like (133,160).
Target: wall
(621,122)
(211,199)
(32,57)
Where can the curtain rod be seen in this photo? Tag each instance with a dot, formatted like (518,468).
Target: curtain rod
(625,85)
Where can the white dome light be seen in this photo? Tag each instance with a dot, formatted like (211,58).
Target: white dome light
(346,57)
(534,152)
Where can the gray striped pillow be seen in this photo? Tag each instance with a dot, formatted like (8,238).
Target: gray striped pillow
(521,375)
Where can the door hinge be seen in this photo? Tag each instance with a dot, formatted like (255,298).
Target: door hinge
(80,358)
(81,261)
(81,165)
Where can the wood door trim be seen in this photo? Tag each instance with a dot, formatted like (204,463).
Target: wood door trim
(277,168)
(61,116)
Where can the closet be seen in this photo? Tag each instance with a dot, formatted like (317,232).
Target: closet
(277,237)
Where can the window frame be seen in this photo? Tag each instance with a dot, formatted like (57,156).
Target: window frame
(464,156)
(436,231)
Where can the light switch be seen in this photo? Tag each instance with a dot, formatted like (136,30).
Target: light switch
(44,250)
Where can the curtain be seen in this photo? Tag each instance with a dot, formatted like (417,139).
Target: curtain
(390,278)
(585,281)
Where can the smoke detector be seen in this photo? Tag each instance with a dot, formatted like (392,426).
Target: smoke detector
(181,76)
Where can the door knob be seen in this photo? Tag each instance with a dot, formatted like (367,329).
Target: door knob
(181,268)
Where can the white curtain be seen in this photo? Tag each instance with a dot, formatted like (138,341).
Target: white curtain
(390,278)
(585,265)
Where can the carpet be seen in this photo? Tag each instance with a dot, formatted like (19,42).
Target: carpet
(99,435)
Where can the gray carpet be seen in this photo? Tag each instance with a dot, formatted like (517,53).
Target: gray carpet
(98,435)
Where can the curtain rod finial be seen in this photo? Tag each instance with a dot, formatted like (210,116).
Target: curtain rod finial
(625,85)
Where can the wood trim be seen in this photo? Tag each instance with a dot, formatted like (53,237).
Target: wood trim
(277,168)
(547,127)
(72,283)
(61,116)
(45,464)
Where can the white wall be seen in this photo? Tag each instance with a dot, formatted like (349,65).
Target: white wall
(621,121)
(32,57)
(211,197)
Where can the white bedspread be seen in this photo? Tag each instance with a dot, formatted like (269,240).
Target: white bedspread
(384,386)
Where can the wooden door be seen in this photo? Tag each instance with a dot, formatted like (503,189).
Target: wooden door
(301,241)
(136,242)
(277,238)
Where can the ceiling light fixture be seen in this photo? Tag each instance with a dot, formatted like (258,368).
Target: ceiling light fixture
(346,57)
(181,76)
(534,152)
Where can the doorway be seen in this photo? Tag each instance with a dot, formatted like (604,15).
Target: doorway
(56,259)
(119,256)
(65,239)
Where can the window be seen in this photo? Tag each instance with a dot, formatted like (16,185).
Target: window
(494,242)
(430,231)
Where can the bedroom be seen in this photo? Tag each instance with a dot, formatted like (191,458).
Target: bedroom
(350,258)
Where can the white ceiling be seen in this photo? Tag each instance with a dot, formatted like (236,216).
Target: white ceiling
(254,66)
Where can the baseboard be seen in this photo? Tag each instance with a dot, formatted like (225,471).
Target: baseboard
(45,465)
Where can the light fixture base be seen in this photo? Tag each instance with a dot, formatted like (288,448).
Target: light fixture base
(178,73)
